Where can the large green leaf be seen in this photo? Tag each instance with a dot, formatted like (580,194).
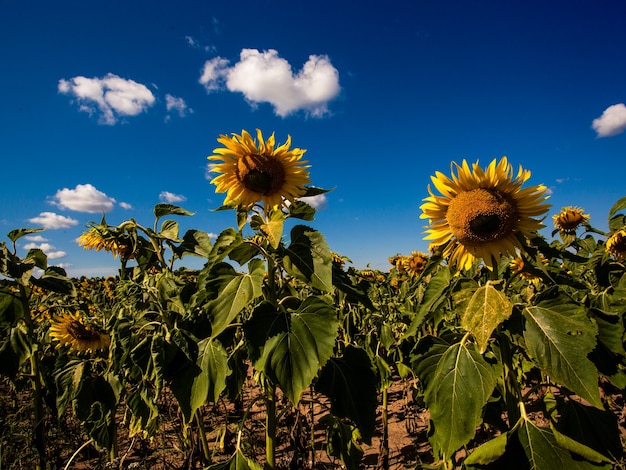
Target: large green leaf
(273,227)
(432,297)
(291,346)
(161,210)
(195,242)
(543,451)
(308,258)
(343,441)
(227,241)
(234,292)
(455,395)
(488,452)
(487,308)
(14,235)
(350,383)
(169,231)
(214,364)
(559,338)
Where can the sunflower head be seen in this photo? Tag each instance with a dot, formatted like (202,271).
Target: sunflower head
(616,244)
(71,330)
(569,219)
(479,212)
(254,170)
(415,263)
(517,266)
(101,237)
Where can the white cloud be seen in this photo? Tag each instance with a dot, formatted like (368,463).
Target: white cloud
(171,198)
(53,221)
(48,249)
(214,73)
(173,103)
(125,205)
(36,238)
(83,198)
(111,96)
(318,202)
(612,121)
(265,77)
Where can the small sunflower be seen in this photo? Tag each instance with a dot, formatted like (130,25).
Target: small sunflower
(616,244)
(256,170)
(517,266)
(71,330)
(569,219)
(415,263)
(101,238)
(480,212)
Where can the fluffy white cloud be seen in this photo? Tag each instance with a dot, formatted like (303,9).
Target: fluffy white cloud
(51,220)
(612,121)
(173,103)
(171,198)
(265,77)
(111,96)
(318,202)
(48,249)
(125,205)
(83,198)
(36,238)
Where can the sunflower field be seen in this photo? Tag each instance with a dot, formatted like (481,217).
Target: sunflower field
(278,354)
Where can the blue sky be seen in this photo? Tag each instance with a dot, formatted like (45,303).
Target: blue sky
(113,107)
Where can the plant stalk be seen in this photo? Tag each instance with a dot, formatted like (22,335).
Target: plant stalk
(270,428)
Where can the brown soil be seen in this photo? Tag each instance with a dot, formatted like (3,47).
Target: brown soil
(408,441)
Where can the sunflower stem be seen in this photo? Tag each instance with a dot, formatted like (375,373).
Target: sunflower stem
(270,428)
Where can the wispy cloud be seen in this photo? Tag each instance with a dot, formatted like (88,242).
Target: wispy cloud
(166,196)
(125,205)
(50,251)
(178,105)
(51,220)
(110,96)
(83,198)
(612,121)
(265,77)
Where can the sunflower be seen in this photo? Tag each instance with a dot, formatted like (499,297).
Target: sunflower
(616,244)
(415,263)
(70,329)
(480,212)
(101,238)
(517,266)
(569,219)
(255,170)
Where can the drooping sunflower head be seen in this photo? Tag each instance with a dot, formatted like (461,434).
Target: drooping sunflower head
(517,266)
(479,213)
(254,170)
(569,219)
(71,330)
(616,244)
(415,263)
(101,237)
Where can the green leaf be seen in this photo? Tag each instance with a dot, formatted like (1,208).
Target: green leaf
(291,346)
(455,395)
(488,452)
(308,258)
(543,451)
(14,235)
(301,210)
(36,257)
(195,242)
(577,448)
(227,241)
(214,363)
(237,461)
(351,385)
(55,280)
(190,387)
(343,442)
(433,296)
(234,292)
(559,339)
(487,308)
(161,210)
(169,231)
(618,206)
(272,228)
